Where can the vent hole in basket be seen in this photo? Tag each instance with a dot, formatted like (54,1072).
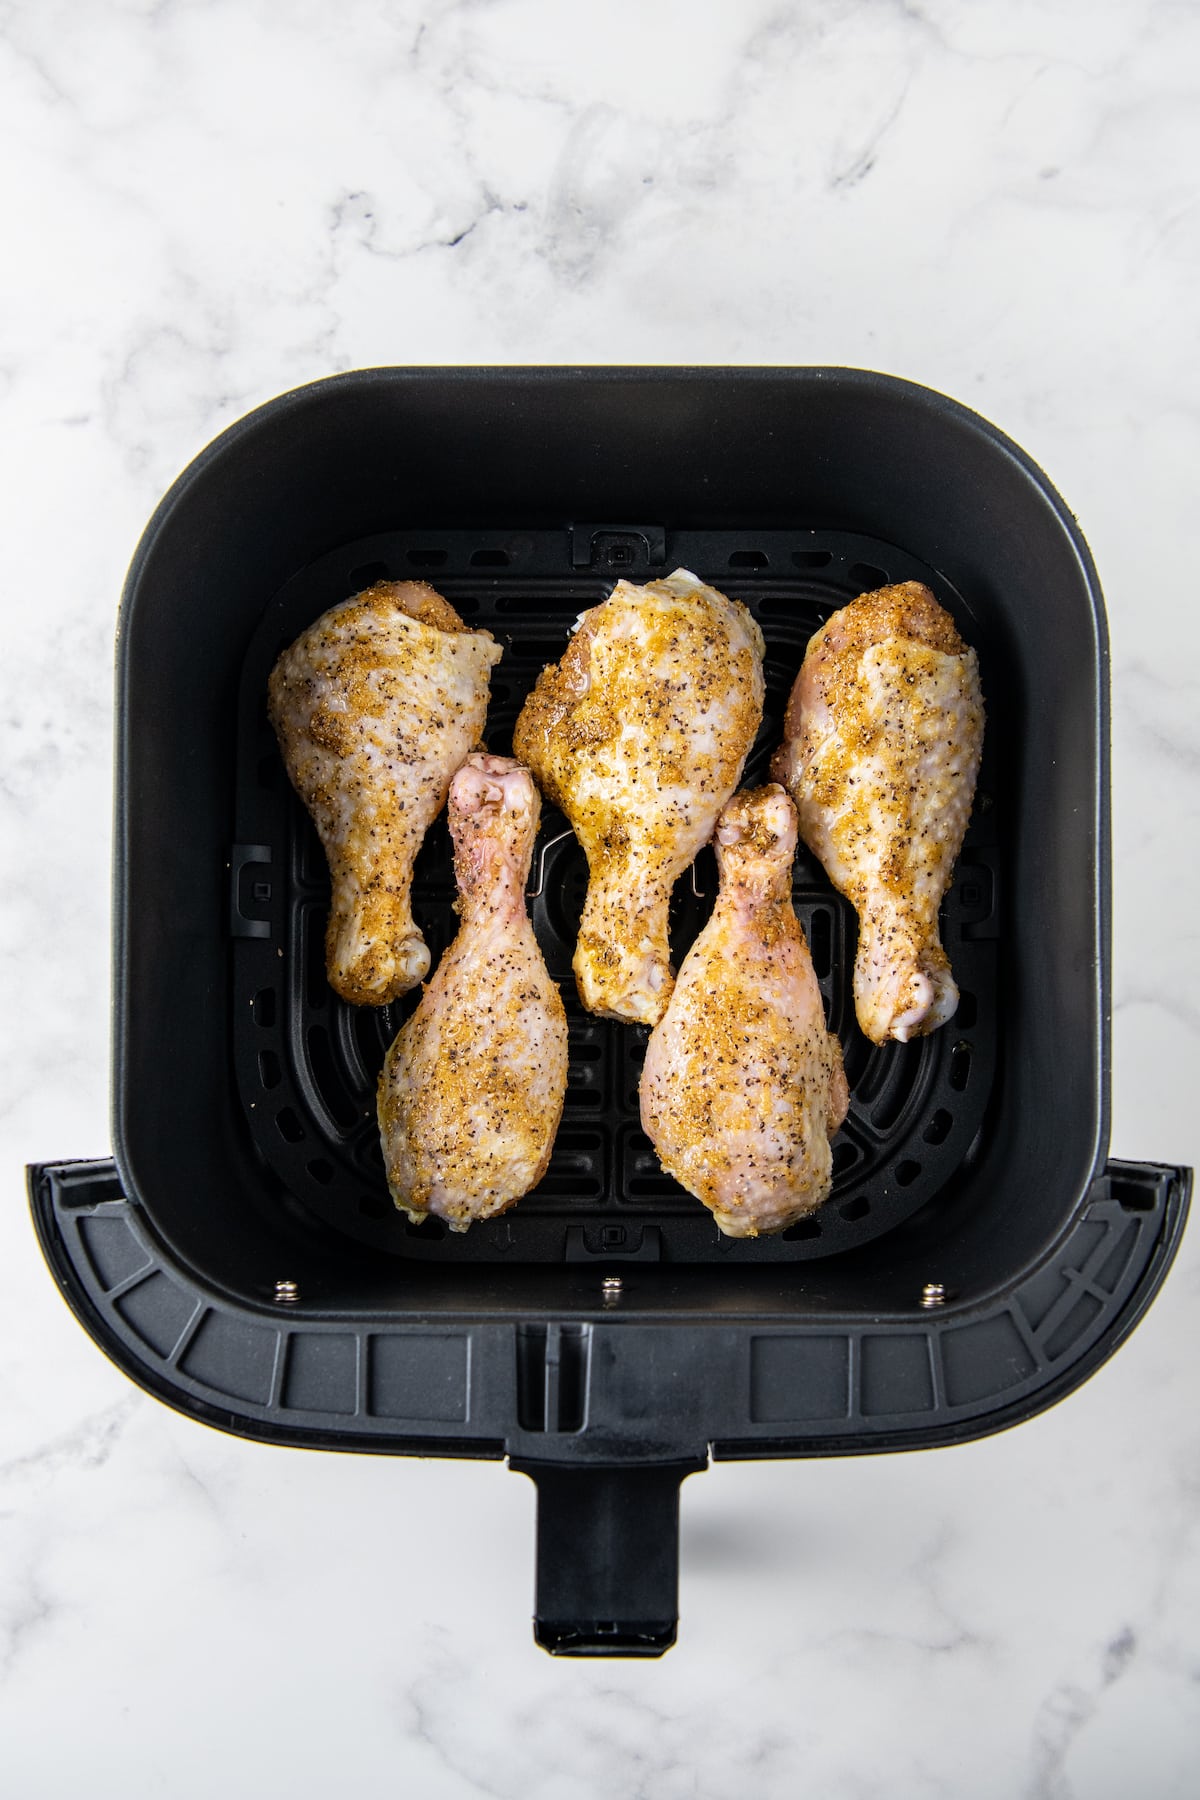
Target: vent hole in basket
(289,1125)
(373,1030)
(428,559)
(812,559)
(328,1077)
(865,577)
(321,1171)
(820,943)
(960,1067)
(968,1010)
(938,1128)
(433,1229)
(749,559)
(855,1209)
(263,1008)
(373,1206)
(804,1228)
(906,1173)
(269,1072)
(845,1155)
(316,979)
(887,1109)
(367,574)
(537,651)
(490,559)
(857,1061)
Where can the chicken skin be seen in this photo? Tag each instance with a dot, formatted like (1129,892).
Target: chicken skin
(472,1088)
(881,750)
(640,734)
(743,1085)
(375,706)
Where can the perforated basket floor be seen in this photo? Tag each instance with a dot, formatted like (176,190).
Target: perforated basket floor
(306,1063)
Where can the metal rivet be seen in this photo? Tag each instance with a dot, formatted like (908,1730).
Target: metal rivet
(933,1294)
(611,1288)
(287,1293)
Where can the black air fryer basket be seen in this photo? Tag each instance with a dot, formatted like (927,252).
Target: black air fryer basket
(241,1259)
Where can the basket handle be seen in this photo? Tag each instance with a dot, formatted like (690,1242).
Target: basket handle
(607,1557)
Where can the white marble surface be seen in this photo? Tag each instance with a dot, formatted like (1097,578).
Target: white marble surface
(205,204)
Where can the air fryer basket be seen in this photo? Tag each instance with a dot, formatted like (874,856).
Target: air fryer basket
(307,1064)
(242,1260)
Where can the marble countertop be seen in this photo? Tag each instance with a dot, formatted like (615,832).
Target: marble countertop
(209,203)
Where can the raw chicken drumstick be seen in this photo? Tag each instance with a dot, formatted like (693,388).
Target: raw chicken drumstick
(375,706)
(472,1089)
(881,750)
(743,1086)
(639,734)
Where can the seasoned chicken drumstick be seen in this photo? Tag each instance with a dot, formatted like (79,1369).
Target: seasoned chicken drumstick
(743,1086)
(881,750)
(375,706)
(472,1088)
(639,734)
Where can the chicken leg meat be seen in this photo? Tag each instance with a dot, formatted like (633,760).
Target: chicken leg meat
(881,749)
(375,706)
(743,1085)
(640,734)
(472,1088)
